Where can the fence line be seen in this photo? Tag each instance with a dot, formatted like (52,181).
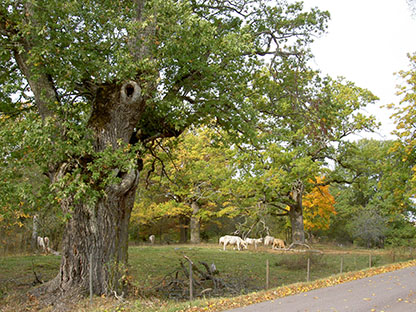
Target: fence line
(343,268)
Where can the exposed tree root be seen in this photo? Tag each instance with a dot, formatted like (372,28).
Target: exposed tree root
(294,248)
(51,295)
(296,244)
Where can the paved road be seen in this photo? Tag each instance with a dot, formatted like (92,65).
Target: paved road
(388,292)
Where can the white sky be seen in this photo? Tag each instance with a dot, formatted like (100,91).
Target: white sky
(367,42)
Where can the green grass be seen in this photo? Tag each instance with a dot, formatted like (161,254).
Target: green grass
(246,270)
(148,265)
(16,272)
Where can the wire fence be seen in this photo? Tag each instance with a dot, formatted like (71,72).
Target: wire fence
(239,272)
(184,272)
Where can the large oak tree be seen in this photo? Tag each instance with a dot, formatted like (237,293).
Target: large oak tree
(299,142)
(87,85)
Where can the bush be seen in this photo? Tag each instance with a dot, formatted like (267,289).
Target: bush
(369,228)
(299,262)
(401,233)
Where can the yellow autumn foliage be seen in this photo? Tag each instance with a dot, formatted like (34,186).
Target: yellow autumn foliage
(318,207)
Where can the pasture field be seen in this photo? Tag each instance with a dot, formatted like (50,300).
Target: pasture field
(154,269)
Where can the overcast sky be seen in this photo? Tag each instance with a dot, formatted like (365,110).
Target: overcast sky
(367,42)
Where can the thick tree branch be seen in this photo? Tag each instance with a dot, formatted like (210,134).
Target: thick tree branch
(128,181)
(139,48)
(41,84)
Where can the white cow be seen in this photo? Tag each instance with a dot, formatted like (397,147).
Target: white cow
(222,239)
(233,240)
(268,240)
(152,239)
(43,243)
(46,240)
(253,241)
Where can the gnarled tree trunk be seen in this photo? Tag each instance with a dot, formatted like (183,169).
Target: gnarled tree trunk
(100,231)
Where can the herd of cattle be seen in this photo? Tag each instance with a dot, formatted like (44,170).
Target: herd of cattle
(240,243)
(236,241)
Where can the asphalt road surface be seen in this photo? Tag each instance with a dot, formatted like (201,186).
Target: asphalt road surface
(388,292)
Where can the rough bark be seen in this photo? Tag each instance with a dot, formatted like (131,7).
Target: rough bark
(296,214)
(296,221)
(34,239)
(195,225)
(183,229)
(100,231)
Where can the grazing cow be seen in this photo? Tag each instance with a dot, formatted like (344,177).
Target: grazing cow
(278,243)
(233,240)
(253,241)
(152,239)
(224,238)
(268,240)
(43,244)
(46,241)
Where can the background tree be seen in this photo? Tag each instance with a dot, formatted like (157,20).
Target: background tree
(314,116)
(319,206)
(24,189)
(378,183)
(92,83)
(370,227)
(190,174)
(405,116)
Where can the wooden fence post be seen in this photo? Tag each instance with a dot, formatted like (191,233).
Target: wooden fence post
(267,273)
(91,278)
(308,269)
(191,286)
(342,265)
(369,261)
